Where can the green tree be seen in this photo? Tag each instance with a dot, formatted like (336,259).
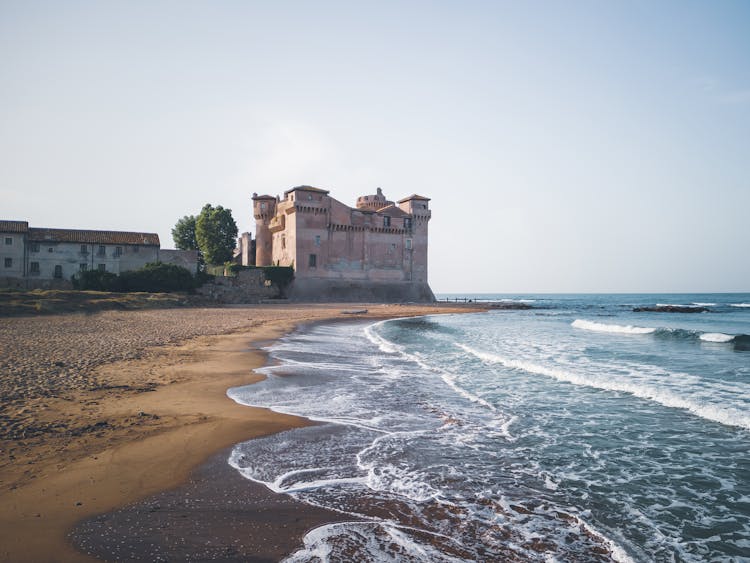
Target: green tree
(183,233)
(215,233)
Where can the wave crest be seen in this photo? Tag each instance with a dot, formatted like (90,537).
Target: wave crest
(620,329)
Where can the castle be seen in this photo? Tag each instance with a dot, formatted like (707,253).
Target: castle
(374,251)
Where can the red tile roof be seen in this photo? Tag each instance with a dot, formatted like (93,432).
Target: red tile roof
(14,226)
(393,211)
(306,189)
(93,237)
(414,196)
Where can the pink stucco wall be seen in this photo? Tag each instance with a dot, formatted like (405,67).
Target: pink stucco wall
(387,244)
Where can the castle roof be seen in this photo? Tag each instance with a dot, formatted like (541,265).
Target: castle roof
(93,237)
(393,211)
(14,226)
(256,196)
(306,189)
(414,196)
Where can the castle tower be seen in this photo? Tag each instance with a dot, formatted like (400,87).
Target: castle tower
(264,209)
(373,202)
(419,209)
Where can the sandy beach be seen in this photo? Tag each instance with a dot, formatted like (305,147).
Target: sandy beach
(106,409)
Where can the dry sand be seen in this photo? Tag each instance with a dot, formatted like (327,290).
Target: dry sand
(105,409)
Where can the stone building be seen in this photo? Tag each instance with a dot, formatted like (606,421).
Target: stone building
(42,257)
(374,251)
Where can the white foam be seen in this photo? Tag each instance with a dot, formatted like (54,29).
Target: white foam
(739,305)
(722,414)
(620,329)
(693,305)
(704,304)
(385,345)
(716,337)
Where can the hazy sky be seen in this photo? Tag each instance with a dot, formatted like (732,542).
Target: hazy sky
(566,146)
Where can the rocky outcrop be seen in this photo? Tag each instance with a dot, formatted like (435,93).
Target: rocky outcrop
(671,309)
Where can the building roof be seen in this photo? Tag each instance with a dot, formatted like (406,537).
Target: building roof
(393,211)
(14,226)
(93,237)
(256,196)
(414,196)
(306,189)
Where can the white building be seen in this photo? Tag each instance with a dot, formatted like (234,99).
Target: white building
(41,257)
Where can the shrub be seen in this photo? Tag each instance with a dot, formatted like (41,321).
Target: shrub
(95,280)
(279,276)
(157,278)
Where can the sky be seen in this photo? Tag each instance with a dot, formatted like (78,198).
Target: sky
(566,146)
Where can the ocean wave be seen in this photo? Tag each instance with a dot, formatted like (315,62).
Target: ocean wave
(728,416)
(740,341)
(739,304)
(716,337)
(392,348)
(705,304)
(620,329)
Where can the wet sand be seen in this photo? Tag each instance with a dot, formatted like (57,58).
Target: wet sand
(103,410)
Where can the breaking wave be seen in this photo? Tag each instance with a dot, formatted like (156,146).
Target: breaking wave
(601,327)
(740,341)
(723,414)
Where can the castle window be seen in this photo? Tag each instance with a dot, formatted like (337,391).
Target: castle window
(262,206)
(407,223)
(317,240)
(313,261)
(58,272)
(83,267)
(50,249)
(9,262)
(386,221)
(309,197)
(283,241)
(8,240)
(118,251)
(136,248)
(34,247)
(102,267)
(408,244)
(84,249)
(34,268)
(102,250)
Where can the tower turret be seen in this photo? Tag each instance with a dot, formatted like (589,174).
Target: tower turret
(373,202)
(264,209)
(419,208)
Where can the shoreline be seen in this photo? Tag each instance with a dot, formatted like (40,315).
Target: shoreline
(146,424)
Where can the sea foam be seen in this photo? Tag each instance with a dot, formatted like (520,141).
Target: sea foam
(620,329)
(716,337)
(723,414)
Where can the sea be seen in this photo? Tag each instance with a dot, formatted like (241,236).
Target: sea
(574,430)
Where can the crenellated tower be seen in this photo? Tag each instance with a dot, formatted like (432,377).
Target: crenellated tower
(264,209)
(419,208)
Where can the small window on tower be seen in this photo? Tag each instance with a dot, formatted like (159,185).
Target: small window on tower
(313,262)
(317,240)
(386,221)
(408,244)
(407,223)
